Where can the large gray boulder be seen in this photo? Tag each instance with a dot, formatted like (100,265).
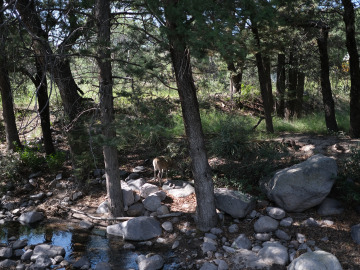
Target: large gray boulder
(234,203)
(317,260)
(303,185)
(136,229)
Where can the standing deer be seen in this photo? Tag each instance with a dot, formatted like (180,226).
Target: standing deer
(161,164)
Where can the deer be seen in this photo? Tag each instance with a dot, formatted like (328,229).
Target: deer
(161,164)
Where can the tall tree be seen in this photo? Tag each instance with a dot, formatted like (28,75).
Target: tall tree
(281,85)
(328,100)
(44,107)
(112,173)
(263,66)
(56,64)
(349,19)
(176,20)
(12,135)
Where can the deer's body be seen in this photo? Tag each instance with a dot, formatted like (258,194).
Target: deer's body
(161,164)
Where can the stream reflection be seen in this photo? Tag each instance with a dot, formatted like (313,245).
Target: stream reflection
(95,244)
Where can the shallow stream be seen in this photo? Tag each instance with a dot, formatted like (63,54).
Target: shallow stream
(96,245)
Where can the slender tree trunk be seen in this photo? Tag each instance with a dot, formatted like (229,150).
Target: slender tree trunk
(349,19)
(12,135)
(293,79)
(299,94)
(328,100)
(206,216)
(263,67)
(280,85)
(44,111)
(102,12)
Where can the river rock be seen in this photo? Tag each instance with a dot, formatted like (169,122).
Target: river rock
(241,242)
(355,233)
(275,212)
(103,208)
(303,185)
(265,224)
(6,253)
(330,207)
(167,226)
(136,229)
(151,263)
(7,264)
(152,202)
(136,210)
(128,196)
(178,188)
(274,252)
(234,203)
(136,184)
(19,244)
(317,260)
(48,250)
(31,217)
(147,189)
(42,262)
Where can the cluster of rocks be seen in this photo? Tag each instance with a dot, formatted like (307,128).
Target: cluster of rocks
(41,256)
(269,241)
(269,245)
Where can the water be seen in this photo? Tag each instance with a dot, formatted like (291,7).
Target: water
(96,245)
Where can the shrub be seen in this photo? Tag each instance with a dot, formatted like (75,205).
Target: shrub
(55,161)
(30,157)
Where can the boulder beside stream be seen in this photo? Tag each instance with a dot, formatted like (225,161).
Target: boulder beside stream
(136,229)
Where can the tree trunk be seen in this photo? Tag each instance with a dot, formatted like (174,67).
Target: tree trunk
(299,94)
(328,100)
(280,85)
(349,19)
(44,111)
(12,135)
(263,66)
(58,66)
(114,193)
(293,79)
(206,216)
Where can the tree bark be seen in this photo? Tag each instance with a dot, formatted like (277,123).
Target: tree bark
(263,66)
(328,100)
(349,19)
(114,193)
(293,79)
(44,111)
(280,85)
(299,93)
(206,216)
(12,135)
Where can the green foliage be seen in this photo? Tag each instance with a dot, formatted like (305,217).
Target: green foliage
(9,166)
(30,157)
(228,134)
(55,161)
(150,122)
(347,186)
